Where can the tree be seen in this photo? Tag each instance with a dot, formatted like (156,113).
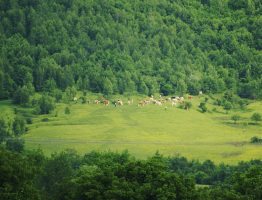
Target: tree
(255,140)
(167,89)
(15,144)
(187,105)
(18,173)
(19,126)
(67,111)
(70,93)
(227,106)
(4,133)
(46,104)
(256,117)
(21,96)
(107,87)
(235,118)
(203,107)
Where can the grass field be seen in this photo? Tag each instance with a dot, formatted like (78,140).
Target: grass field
(143,131)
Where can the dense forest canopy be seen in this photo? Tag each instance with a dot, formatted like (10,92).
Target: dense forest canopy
(31,175)
(109,46)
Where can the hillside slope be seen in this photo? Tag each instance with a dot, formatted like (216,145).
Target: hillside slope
(140,46)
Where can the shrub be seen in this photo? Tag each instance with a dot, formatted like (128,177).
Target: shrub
(235,118)
(256,117)
(203,107)
(19,126)
(15,144)
(46,104)
(21,96)
(67,111)
(187,105)
(4,133)
(45,120)
(29,120)
(227,106)
(255,140)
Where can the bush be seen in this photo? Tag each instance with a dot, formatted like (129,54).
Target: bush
(21,96)
(4,133)
(15,144)
(187,105)
(227,106)
(46,104)
(19,126)
(256,117)
(203,107)
(235,118)
(255,140)
(67,111)
(45,120)
(29,120)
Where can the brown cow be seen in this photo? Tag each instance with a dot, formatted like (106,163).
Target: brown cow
(106,102)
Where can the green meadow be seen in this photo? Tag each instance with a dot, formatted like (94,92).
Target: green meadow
(144,130)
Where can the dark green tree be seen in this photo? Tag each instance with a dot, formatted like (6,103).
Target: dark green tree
(256,117)
(46,104)
(19,126)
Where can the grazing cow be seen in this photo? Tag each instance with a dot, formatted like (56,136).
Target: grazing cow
(173,103)
(146,102)
(190,97)
(141,103)
(158,103)
(120,102)
(106,102)
(97,101)
(181,99)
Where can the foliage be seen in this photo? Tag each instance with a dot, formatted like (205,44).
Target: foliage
(98,175)
(67,111)
(46,104)
(235,118)
(127,47)
(227,106)
(256,117)
(21,96)
(203,107)
(19,126)
(15,144)
(187,105)
(4,132)
(256,140)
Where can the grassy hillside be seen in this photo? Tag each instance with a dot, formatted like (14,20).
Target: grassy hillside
(144,130)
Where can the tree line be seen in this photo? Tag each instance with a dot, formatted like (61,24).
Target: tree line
(67,175)
(116,47)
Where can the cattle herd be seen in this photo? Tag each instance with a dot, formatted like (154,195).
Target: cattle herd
(173,101)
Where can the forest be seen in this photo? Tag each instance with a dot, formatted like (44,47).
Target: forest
(127,47)
(31,175)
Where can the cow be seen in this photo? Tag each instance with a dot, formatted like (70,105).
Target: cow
(106,102)
(97,101)
(159,103)
(173,103)
(141,103)
(190,97)
(120,102)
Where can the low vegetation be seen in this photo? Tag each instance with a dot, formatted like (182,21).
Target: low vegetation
(141,129)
